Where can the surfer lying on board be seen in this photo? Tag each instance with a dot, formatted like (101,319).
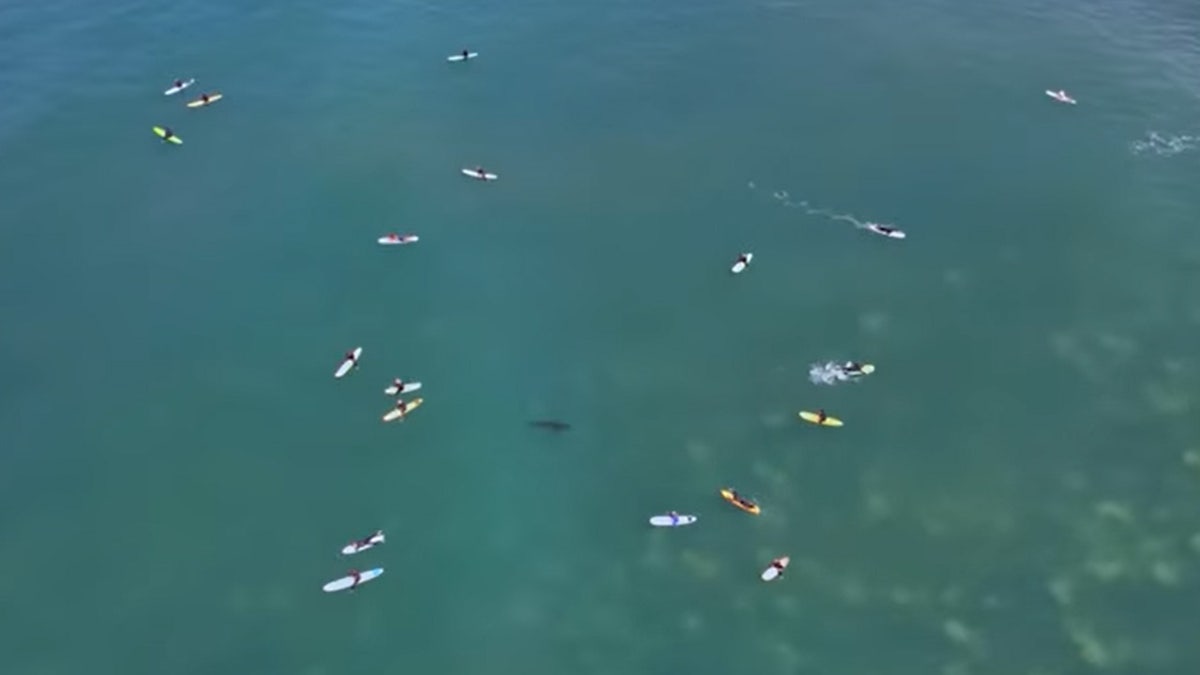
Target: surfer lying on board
(852,368)
(778,565)
(741,500)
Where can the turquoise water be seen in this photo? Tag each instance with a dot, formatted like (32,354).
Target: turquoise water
(1015,488)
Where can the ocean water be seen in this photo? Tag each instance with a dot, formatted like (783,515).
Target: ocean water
(1015,489)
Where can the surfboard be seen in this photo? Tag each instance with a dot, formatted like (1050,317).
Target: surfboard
(176,89)
(749,506)
(772,573)
(162,133)
(356,547)
(399,240)
(459,57)
(472,173)
(1061,97)
(741,265)
(348,363)
(816,419)
(868,368)
(408,387)
(666,520)
(893,234)
(348,581)
(212,98)
(409,406)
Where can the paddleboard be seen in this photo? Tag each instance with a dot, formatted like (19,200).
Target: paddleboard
(409,406)
(176,89)
(460,57)
(475,174)
(162,133)
(348,363)
(408,386)
(394,239)
(666,520)
(212,98)
(892,234)
(815,419)
(752,508)
(346,582)
(772,573)
(355,546)
(741,264)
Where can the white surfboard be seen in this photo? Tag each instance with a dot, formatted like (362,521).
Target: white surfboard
(740,265)
(408,386)
(666,520)
(1060,96)
(891,232)
(398,240)
(459,57)
(348,363)
(176,89)
(348,581)
(772,573)
(472,173)
(358,546)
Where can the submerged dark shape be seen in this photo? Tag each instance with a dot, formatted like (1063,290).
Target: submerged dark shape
(552,425)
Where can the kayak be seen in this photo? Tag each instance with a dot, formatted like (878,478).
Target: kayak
(394,239)
(175,89)
(816,419)
(348,581)
(479,175)
(776,569)
(348,363)
(1060,96)
(408,386)
(162,133)
(667,520)
(212,98)
(742,263)
(889,232)
(409,406)
(459,57)
(357,546)
(743,504)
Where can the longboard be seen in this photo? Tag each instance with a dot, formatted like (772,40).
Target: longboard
(348,363)
(348,581)
(409,406)
(666,520)
(814,418)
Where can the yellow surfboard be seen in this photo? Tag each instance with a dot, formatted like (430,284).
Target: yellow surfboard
(212,98)
(814,418)
(409,406)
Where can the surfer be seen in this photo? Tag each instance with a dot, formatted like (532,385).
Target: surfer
(466,55)
(743,259)
(400,408)
(349,355)
(881,229)
(356,578)
(674,517)
(398,383)
(168,134)
(821,417)
(205,98)
(480,172)
(779,566)
(852,368)
(178,83)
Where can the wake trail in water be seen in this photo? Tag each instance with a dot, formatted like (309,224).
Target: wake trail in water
(1164,145)
(803,205)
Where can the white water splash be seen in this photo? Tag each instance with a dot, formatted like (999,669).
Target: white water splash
(829,373)
(1164,145)
(803,205)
